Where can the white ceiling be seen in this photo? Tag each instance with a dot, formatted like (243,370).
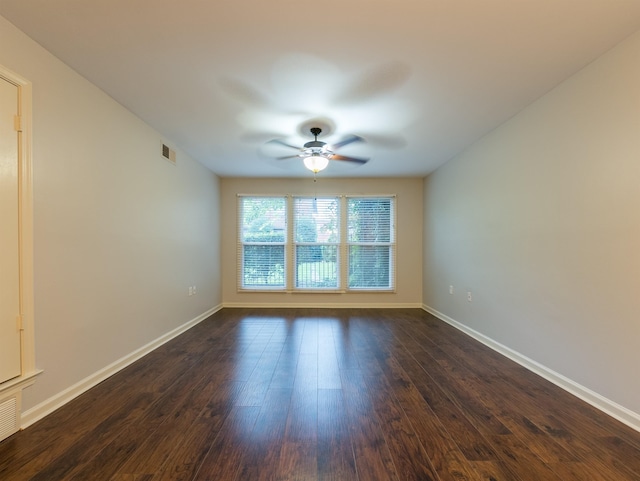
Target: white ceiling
(418,79)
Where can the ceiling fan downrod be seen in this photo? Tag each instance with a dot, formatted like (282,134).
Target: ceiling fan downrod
(315,131)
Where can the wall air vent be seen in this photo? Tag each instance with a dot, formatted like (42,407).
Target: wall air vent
(168,153)
(8,417)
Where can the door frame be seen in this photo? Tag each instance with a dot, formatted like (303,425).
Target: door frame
(25,234)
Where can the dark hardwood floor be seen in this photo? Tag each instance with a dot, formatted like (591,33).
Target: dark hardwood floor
(323,394)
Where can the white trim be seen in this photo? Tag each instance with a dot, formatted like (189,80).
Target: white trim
(21,382)
(46,407)
(613,409)
(13,389)
(328,305)
(25,216)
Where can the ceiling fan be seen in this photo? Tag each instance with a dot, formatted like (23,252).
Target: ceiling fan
(316,154)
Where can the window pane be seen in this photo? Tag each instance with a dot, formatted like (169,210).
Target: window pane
(263,266)
(370,220)
(264,219)
(370,237)
(316,267)
(370,267)
(316,220)
(264,233)
(316,235)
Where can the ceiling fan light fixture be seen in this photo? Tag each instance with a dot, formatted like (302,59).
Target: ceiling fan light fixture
(316,163)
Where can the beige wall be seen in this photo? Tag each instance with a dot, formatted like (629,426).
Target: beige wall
(541,220)
(409,234)
(119,232)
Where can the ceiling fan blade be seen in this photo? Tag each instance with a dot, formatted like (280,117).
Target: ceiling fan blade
(287,157)
(347,141)
(381,80)
(258,137)
(278,149)
(388,141)
(349,159)
(244,93)
(281,142)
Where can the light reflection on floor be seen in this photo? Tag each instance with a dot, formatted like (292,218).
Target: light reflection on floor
(282,365)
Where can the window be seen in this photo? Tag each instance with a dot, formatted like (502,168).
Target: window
(263,239)
(316,242)
(370,241)
(334,243)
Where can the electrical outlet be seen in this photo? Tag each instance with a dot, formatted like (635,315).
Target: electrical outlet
(450,289)
(469,296)
(194,290)
(190,290)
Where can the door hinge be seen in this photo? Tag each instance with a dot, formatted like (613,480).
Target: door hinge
(19,322)
(17,123)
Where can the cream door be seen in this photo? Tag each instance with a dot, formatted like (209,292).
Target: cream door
(9,253)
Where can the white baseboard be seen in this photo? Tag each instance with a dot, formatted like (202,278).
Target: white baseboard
(308,305)
(622,414)
(39,411)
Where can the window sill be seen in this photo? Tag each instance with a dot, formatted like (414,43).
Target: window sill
(316,291)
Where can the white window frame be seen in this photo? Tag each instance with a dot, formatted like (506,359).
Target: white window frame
(242,244)
(390,244)
(337,244)
(342,246)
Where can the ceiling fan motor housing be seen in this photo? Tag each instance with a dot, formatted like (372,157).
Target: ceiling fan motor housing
(316,146)
(314,143)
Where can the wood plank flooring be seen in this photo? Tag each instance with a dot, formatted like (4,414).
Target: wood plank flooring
(318,395)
